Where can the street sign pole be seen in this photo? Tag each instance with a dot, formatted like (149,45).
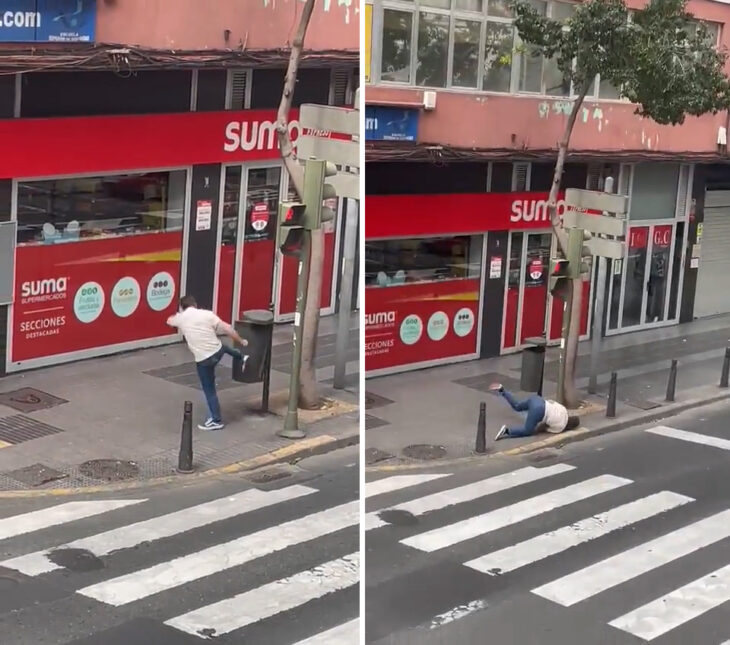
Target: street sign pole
(348,271)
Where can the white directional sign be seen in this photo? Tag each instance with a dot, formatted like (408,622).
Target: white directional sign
(602,247)
(596,224)
(592,200)
(343,151)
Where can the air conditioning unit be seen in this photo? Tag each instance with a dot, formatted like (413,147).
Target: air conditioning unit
(429,100)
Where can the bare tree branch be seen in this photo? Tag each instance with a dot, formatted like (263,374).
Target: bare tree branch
(296,172)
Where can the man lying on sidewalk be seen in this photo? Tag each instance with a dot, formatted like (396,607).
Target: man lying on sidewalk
(541,415)
(200,329)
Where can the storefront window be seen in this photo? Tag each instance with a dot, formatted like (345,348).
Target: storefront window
(396,262)
(229,239)
(98,262)
(82,208)
(654,193)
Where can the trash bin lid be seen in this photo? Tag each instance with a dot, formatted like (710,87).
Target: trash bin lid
(539,341)
(258,316)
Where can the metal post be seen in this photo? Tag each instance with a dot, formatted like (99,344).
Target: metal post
(291,421)
(672,383)
(185,458)
(567,307)
(596,335)
(481,444)
(611,404)
(348,272)
(725,369)
(267,374)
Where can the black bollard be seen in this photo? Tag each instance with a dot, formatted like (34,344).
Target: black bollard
(611,404)
(481,446)
(672,383)
(725,369)
(185,458)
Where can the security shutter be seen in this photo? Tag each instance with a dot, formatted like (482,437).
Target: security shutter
(340,85)
(520,176)
(239,84)
(712,295)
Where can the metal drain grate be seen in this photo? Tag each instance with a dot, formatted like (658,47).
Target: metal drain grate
(373,400)
(28,399)
(19,428)
(372,422)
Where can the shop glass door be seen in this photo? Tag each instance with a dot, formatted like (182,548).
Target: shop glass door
(527,287)
(646,276)
(258,262)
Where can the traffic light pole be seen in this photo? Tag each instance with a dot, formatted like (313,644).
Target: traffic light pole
(291,421)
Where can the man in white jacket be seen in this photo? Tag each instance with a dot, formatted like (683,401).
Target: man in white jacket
(200,328)
(551,415)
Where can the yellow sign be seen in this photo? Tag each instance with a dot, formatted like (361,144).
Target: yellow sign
(368,38)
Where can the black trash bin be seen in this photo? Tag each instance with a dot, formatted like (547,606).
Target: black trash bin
(533,364)
(257,327)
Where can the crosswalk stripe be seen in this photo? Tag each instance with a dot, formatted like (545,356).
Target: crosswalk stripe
(501,517)
(141,584)
(627,565)
(692,437)
(399,482)
(469,492)
(61,514)
(276,597)
(548,544)
(340,635)
(163,526)
(678,607)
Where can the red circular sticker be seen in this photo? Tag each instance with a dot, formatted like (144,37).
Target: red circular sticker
(260,216)
(535,269)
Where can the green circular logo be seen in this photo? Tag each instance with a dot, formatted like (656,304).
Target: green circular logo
(463,322)
(411,329)
(160,291)
(438,325)
(125,297)
(89,302)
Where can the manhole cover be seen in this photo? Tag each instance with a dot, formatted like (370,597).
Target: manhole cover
(375,401)
(270,475)
(28,399)
(109,469)
(36,475)
(424,452)
(7,583)
(374,455)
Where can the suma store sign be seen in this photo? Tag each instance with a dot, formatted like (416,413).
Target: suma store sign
(24,21)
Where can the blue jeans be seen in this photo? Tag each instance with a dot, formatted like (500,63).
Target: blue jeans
(534,405)
(206,374)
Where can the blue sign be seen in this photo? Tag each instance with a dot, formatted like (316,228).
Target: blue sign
(47,21)
(390,124)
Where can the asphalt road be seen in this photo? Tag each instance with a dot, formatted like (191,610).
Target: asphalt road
(620,540)
(270,559)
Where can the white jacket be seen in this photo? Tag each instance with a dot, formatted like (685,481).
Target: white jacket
(556,417)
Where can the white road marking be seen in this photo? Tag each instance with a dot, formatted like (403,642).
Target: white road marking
(340,635)
(456,613)
(548,544)
(390,484)
(468,493)
(479,525)
(629,564)
(61,514)
(156,528)
(166,575)
(692,437)
(678,607)
(270,599)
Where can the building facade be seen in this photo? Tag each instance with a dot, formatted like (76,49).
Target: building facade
(141,163)
(461,138)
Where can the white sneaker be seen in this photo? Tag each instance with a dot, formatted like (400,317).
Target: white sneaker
(211,425)
(501,434)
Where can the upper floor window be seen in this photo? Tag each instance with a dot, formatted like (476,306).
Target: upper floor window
(471,44)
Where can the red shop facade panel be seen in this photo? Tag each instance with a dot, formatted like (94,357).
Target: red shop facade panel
(116,215)
(455,277)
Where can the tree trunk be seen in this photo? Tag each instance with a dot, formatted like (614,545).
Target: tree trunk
(309,398)
(568,393)
(308,394)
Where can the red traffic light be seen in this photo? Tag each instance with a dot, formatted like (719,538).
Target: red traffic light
(291,214)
